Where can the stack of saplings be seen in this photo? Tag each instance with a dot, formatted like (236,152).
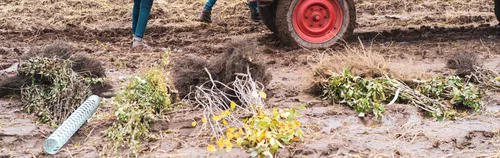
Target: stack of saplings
(53,81)
(440,96)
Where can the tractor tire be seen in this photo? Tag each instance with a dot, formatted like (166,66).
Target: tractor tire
(497,9)
(268,14)
(315,23)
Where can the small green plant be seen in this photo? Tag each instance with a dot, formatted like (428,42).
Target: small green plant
(142,101)
(263,133)
(165,57)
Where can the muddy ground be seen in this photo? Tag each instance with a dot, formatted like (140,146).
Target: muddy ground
(415,38)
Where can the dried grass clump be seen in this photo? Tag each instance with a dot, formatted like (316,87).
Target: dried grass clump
(361,61)
(464,62)
(238,59)
(467,65)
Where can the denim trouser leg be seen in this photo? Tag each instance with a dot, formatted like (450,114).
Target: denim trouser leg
(210,4)
(253,5)
(140,16)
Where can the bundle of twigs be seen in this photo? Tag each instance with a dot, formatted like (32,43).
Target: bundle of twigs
(486,78)
(416,98)
(216,97)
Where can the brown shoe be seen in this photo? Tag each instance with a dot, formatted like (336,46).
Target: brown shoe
(206,16)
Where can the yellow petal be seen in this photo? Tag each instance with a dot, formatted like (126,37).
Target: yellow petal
(211,148)
(239,141)
(204,120)
(225,113)
(231,130)
(225,122)
(240,131)
(233,105)
(228,145)
(229,135)
(220,143)
(263,94)
(216,118)
(193,123)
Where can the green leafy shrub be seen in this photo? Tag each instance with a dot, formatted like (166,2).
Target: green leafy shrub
(455,90)
(362,94)
(143,99)
(54,91)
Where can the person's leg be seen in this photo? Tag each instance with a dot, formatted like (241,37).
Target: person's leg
(254,10)
(135,14)
(142,21)
(209,5)
(206,14)
(143,18)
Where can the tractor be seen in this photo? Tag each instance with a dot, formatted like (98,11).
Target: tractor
(313,23)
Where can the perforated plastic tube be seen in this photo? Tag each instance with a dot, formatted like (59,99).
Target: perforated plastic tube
(62,134)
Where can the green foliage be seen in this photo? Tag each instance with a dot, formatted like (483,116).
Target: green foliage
(455,90)
(143,99)
(54,92)
(362,94)
(264,133)
(369,95)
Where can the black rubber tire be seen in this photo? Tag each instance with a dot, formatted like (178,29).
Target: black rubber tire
(268,15)
(497,9)
(288,35)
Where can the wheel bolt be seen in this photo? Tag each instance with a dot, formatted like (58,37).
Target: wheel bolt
(334,28)
(306,17)
(326,17)
(311,25)
(320,25)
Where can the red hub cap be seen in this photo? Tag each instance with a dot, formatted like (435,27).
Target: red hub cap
(317,21)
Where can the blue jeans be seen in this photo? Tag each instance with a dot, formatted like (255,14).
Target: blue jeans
(140,16)
(211,3)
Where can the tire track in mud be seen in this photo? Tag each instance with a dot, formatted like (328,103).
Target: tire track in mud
(200,37)
(428,33)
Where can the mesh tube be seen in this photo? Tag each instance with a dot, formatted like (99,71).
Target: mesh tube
(57,140)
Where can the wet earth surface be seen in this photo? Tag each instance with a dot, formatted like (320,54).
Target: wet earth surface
(415,39)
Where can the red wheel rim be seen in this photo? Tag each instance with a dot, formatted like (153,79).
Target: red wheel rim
(317,21)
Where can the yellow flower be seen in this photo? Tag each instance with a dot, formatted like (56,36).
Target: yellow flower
(239,141)
(225,113)
(211,148)
(220,143)
(233,105)
(204,120)
(228,145)
(193,123)
(263,94)
(231,130)
(225,122)
(216,118)
(229,135)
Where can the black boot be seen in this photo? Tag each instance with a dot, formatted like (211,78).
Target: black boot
(254,13)
(206,16)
